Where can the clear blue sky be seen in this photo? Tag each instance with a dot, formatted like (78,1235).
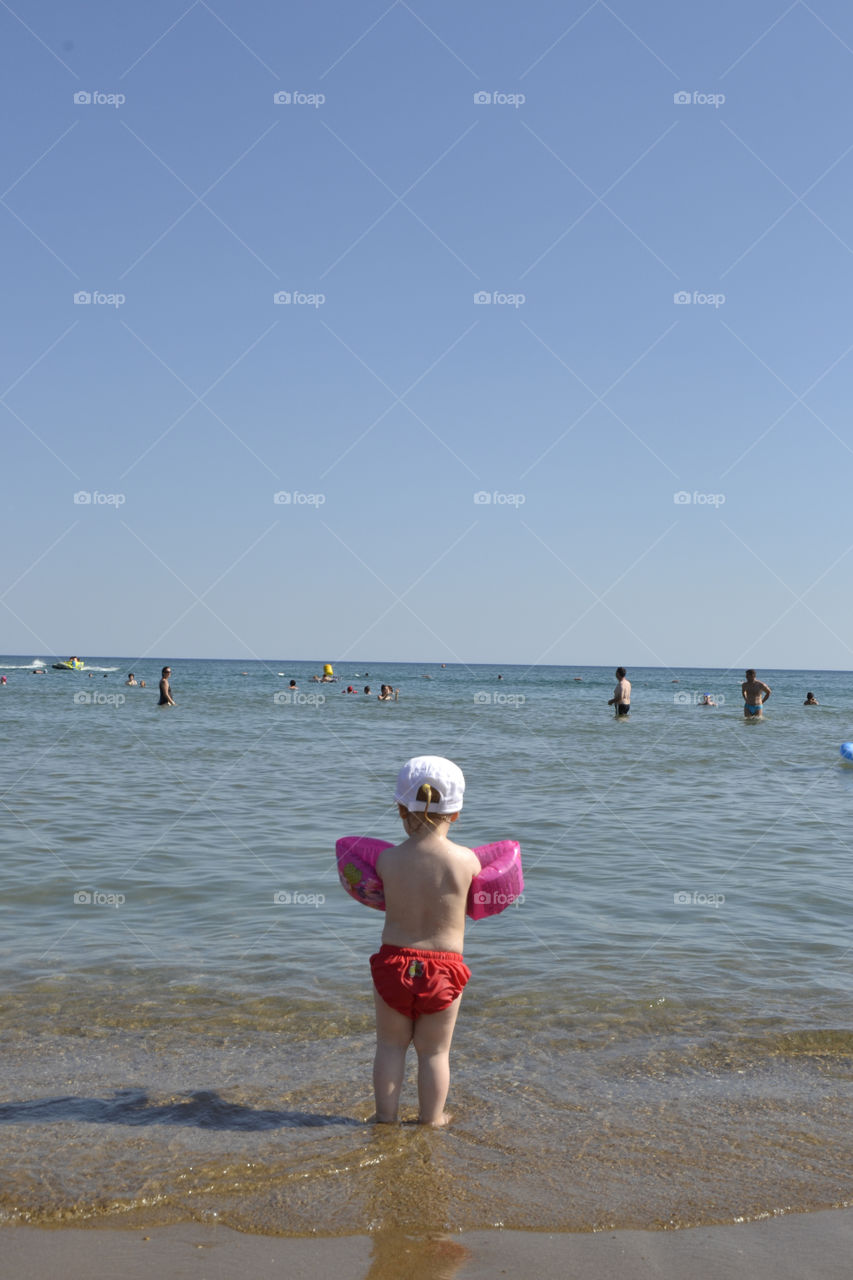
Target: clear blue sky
(398,398)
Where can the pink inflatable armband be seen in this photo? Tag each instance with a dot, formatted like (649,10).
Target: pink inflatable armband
(498,885)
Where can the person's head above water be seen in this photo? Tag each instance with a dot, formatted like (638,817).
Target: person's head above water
(429,788)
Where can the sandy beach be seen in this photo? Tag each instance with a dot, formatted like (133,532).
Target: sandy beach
(817,1245)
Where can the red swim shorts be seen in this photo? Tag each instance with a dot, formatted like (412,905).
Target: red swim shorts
(415,982)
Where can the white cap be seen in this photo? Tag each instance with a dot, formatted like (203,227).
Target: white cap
(443,776)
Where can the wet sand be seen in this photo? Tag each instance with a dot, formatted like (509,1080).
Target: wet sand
(818,1245)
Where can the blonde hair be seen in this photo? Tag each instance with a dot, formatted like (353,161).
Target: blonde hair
(427,795)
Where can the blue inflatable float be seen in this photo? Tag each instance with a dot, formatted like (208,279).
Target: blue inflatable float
(847,751)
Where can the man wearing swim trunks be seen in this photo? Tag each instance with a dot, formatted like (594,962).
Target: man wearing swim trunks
(418,972)
(755,694)
(621,699)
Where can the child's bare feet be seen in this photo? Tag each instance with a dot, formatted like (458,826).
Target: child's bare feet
(377,1119)
(437,1124)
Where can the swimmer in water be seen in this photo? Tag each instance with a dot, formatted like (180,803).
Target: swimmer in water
(131,678)
(621,699)
(755,693)
(166,699)
(811,701)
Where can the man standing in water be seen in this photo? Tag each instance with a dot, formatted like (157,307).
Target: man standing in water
(755,694)
(166,699)
(621,699)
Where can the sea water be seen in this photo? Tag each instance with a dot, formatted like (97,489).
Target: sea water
(658,1035)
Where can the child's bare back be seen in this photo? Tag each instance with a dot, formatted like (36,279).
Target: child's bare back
(426,880)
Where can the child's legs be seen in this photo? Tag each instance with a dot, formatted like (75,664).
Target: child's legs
(433,1034)
(393,1037)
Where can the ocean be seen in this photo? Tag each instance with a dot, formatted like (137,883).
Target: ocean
(659,1035)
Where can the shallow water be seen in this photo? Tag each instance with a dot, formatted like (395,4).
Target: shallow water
(660,1034)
